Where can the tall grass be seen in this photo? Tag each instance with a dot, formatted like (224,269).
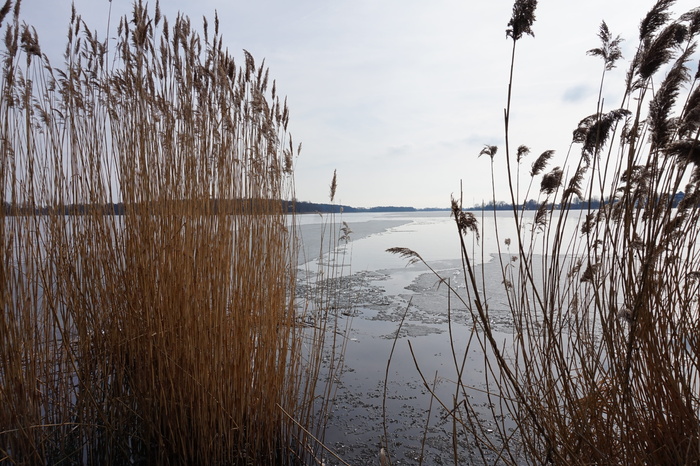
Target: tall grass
(167,334)
(603,366)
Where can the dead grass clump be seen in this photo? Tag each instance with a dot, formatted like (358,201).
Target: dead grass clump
(167,333)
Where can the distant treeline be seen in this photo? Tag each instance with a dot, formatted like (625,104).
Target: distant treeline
(200,206)
(533,205)
(302,207)
(211,206)
(576,204)
(237,206)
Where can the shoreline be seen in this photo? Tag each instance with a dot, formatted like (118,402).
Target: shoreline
(314,236)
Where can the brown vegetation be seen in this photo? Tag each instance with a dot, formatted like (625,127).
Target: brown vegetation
(168,335)
(603,366)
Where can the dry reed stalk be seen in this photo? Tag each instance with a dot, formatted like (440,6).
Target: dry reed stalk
(603,365)
(167,333)
(331,320)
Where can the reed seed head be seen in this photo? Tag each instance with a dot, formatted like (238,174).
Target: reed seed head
(522,19)
(523,151)
(406,253)
(609,50)
(654,19)
(5,10)
(466,221)
(541,162)
(489,150)
(334,185)
(551,181)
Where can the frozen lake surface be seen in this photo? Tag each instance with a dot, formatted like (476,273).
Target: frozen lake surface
(377,289)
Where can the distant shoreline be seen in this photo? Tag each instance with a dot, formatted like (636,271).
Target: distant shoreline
(216,206)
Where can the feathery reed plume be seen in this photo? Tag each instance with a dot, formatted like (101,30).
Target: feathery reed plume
(693,19)
(637,176)
(522,19)
(588,224)
(30,43)
(575,184)
(661,49)
(345,233)
(541,162)
(594,130)
(466,221)
(540,219)
(406,253)
(5,10)
(488,150)
(334,185)
(654,19)
(609,50)
(685,149)
(689,121)
(523,151)
(661,105)
(551,181)
(589,273)
(654,50)
(691,200)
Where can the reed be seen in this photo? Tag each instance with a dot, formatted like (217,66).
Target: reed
(603,364)
(149,261)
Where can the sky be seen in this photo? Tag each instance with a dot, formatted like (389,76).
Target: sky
(400,96)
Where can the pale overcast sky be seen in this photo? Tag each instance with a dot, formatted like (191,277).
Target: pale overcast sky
(400,96)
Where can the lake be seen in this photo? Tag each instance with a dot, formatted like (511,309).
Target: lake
(378,287)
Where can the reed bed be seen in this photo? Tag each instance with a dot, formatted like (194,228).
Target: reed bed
(603,365)
(149,261)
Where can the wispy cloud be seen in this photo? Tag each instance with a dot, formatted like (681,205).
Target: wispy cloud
(577,93)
